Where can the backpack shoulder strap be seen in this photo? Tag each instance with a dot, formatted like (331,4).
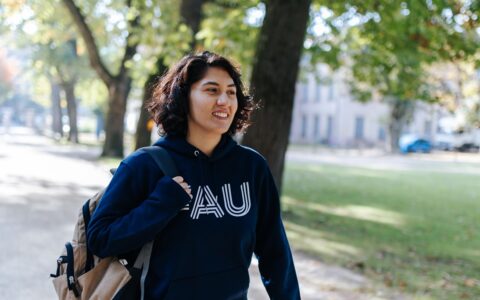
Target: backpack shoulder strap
(168,168)
(163,160)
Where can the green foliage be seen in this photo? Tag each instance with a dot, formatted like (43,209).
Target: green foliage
(391,43)
(6,77)
(5,91)
(323,40)
(239,22)
(50,41)
(160,36)
(473,116)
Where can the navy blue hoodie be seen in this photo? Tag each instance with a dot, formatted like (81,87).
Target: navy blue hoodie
(203,246)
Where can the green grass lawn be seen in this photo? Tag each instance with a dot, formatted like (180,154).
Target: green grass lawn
(415,231)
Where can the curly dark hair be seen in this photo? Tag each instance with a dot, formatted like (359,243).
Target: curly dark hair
(169,105)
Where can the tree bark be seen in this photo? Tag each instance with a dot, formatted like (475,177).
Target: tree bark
(191,14)
(401,112)
(273,79)
(57,124)
(92,49)
(69,89)
(118,85)
(115,126)
(144,131)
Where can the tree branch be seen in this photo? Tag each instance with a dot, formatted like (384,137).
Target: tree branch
(87,36)
(130,48)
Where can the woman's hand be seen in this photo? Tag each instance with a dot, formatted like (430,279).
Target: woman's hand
(184,185)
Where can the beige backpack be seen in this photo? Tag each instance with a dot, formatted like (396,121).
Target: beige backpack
(82,275)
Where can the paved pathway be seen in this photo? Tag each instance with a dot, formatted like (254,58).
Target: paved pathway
(42,187)
(440,161)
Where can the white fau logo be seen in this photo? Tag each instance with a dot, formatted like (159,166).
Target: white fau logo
(206,202)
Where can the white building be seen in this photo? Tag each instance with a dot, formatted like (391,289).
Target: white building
(325,112)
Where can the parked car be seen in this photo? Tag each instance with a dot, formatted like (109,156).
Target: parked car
(444,141)
(468,147)
(412,143)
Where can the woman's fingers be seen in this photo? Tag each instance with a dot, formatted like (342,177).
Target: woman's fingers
(184,185)
(178,179)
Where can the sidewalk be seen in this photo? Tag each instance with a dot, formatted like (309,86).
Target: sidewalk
(42,187)
(440,161)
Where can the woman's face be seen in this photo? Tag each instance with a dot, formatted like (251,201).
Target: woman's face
(212,103)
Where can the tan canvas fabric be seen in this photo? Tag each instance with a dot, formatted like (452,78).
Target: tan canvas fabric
(79,232)
(103,281)
(60,285)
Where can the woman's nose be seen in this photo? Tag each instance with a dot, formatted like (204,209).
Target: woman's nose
(222,99)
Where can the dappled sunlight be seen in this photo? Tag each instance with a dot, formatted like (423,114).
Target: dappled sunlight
(475,253)
(319,242)
(365,173)
(362,172)
(359,212)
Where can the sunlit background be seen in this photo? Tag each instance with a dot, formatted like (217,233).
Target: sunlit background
(370,122)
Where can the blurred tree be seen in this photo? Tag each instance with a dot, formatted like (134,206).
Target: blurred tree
(191,16)
(240,23)
(274,74)
(389,44)
(68,79)
(194,27)
(457,87)
(56,107)
(473,116)
(51,43)
(6,77)
(119,84)
(145,123)
(62,66)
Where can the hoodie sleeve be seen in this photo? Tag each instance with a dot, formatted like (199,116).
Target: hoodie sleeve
(275,260)
(123,221)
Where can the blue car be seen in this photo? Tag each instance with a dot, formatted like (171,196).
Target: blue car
(410,143)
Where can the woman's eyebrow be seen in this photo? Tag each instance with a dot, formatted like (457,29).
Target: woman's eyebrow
(216,84)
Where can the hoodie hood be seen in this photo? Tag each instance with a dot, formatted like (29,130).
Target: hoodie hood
(180,145)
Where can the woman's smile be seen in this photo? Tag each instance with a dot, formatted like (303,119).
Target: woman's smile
(220,115)
(213,104)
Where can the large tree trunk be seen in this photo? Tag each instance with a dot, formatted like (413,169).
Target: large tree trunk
(274,75)
(191,14)
(118,85)
(69,89)
(144,130)
(401,111)
(143,133)
(57,124)
(114,127)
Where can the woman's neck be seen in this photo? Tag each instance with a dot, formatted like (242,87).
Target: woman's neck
(206,144)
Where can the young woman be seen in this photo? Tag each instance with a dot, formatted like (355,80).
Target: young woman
(207,223)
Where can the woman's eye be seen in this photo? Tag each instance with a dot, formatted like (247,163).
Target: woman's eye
(212,90)
(231,93)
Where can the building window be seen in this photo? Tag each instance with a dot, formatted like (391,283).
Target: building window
(318,92)
(305,92)
(359,128)
(304,126)
(316,128)
(331,91)
(381,134)
(428,129)
(330,129)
